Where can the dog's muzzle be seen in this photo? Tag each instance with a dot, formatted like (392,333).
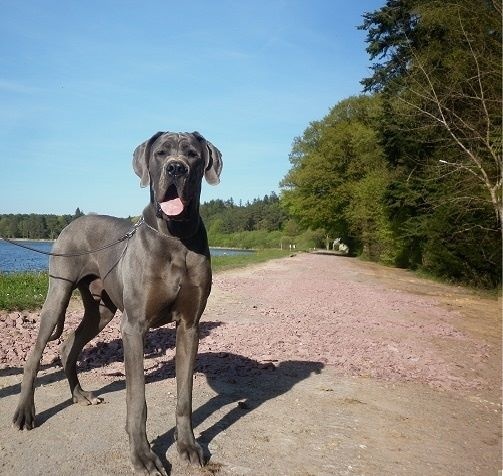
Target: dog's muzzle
(172,204)
(177,169)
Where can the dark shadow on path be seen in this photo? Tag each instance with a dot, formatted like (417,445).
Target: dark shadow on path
(243,382)
(99,354)
(337,254)
(237,380)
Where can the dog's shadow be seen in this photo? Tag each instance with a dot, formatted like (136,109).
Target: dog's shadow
(157,342)
(100,353)
(238,381)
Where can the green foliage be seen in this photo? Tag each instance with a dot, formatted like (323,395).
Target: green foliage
(440,68)
(223,263)
(224,217)
(34,226)
(307,240)
(367,216)
(20,291)
(255,239)
(470,254)
(412,175)
(253,225)
(264,223)
(441,131)
(339,177)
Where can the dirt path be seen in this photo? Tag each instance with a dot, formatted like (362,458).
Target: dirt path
(310,365)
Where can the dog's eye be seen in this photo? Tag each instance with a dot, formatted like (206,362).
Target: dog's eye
(161,152)
(192,153)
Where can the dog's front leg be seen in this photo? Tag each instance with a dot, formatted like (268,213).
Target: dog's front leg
(143,459)
(187,341)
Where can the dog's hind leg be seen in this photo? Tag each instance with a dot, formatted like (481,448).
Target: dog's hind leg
(53,310)
(98,312)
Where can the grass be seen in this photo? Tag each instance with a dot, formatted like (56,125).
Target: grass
(223,263)
(26,291)
(480,288)
(19,291)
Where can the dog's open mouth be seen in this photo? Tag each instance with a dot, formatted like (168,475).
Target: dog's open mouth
(172,206)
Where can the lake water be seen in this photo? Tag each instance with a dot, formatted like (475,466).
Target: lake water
(14,259)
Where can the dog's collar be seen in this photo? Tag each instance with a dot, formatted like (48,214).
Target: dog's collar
(142,221)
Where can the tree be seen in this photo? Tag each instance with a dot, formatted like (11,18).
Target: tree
(226,217)
(442,61)
(53,226)
(330,184)
(438,72)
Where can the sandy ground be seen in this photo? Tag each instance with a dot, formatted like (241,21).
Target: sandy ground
(309,365)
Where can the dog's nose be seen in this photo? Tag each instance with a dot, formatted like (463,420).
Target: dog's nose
(176,169)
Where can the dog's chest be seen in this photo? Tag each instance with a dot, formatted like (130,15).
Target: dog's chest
(172,290)
(165,279)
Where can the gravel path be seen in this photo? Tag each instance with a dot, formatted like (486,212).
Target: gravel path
(308,307)
(309,365)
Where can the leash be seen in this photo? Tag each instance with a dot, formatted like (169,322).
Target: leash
(124,237)
(158,232)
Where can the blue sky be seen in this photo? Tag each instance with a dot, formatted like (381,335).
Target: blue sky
(83,83)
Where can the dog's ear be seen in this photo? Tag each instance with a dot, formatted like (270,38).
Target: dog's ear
(213,164)
(141,157)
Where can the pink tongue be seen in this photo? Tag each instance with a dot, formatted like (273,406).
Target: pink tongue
(172,207)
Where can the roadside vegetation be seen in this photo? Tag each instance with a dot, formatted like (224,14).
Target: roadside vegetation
(19,291)
(410,173)
(223,263)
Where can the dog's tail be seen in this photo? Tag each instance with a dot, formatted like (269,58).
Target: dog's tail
(59,328)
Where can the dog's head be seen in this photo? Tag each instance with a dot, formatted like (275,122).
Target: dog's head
(173,164)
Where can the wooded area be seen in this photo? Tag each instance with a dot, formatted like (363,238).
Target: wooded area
(35,226)
(408,174)
(263,223)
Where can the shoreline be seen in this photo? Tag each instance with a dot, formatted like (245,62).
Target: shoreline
(216,251)
(29,240)
(52,240)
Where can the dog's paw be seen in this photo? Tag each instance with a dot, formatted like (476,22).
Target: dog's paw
(147,462)
(85,398)
(191,453)
(24,416)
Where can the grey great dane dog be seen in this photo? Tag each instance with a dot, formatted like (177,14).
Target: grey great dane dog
(160,274)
